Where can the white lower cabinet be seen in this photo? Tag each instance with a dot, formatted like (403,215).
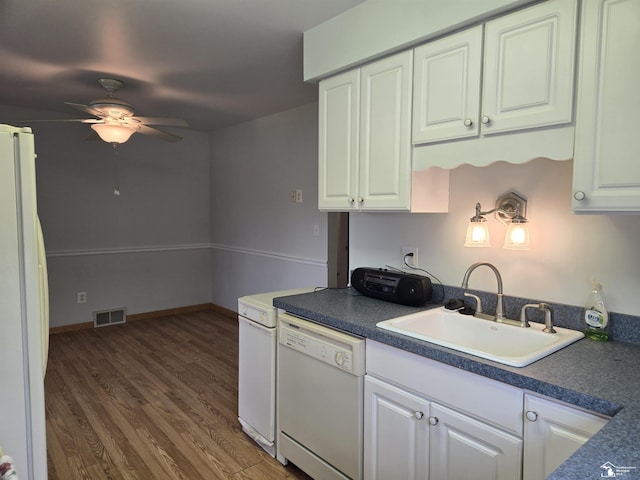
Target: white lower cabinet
(552,433)
(424,420)
(462,447)
(396,432)
(409,437)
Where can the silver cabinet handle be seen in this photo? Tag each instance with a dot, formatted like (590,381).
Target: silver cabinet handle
(532,416)
(579,195)
(485,119)
(418,415)
(468,122)
(433,421)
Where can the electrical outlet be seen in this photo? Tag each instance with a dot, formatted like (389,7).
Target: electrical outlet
(409,256)
(299,196)
(316,230)
(81,297)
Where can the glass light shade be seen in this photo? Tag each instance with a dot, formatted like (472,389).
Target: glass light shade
(517,236)
(112,133)
(477,234)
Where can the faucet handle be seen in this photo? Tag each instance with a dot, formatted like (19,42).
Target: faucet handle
(477,299)
(524,317)
(548,320)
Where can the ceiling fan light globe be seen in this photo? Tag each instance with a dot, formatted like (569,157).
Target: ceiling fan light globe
(113,133)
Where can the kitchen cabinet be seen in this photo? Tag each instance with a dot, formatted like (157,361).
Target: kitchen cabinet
(409,437)
(488,452)
(528,75)
(446,87)
(419,423)
(552,433)
(396,432)
(514,74)
(364,151)
(606,172)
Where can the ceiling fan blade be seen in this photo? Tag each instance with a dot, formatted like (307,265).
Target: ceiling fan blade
(172,122)
(154,132)
(81,120)
(85,108)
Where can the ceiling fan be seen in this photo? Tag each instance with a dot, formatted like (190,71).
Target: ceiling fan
(115,121)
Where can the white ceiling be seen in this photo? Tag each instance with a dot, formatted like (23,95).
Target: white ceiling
(213,63)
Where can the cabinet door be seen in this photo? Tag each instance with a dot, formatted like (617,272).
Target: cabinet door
(529,67)
(446,87)
(552,433)
(606,171)
(465,448)
(396,433)
(385,134)
(338,141)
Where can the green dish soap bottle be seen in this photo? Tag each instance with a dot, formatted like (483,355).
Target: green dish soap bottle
(596,317)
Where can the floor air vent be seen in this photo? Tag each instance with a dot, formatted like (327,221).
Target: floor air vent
(109,317)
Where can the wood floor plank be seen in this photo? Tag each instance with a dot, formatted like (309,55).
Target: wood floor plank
(152,399)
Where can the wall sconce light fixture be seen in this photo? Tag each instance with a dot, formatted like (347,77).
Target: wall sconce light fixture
(510,209)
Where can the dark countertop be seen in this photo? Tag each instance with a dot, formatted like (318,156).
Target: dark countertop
(602,377)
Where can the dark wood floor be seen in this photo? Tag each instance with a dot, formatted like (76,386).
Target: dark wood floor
(152,399)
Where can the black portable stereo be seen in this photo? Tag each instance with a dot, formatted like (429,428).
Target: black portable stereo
(397,287)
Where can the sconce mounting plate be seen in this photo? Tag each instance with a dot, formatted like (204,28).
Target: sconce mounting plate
(510,202)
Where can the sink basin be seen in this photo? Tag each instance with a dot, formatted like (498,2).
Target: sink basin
(506,344)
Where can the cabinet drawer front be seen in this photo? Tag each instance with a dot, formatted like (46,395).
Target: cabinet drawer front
(495,402)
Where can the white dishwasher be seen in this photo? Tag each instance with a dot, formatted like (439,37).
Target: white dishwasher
(320,399)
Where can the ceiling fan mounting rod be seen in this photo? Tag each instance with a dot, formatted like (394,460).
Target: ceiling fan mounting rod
(111,85)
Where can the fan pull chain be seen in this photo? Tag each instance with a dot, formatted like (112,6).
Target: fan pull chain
(116,177)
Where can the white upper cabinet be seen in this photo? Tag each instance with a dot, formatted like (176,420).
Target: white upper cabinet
(514,74)
(364,160)
(339,114)
(606,170)
(446,89)
(528,68)
(385,134)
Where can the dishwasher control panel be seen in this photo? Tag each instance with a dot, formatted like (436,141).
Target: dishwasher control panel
(330,346)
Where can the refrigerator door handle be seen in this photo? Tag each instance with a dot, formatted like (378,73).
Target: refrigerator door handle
(44,298)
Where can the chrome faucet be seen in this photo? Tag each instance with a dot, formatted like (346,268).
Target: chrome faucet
(500,303)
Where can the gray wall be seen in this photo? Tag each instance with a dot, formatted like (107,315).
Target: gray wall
(145,250)
(566,249)
(261,241)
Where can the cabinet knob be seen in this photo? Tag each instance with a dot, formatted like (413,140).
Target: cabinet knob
(468,122)
(532,416)
(579,196)
(351,199)
(433,421)
(360,200)
(418,415)
(486,119)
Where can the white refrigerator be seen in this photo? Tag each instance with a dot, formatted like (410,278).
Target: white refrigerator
(24,324)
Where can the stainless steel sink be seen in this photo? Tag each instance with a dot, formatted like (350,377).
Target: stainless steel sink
(506,344)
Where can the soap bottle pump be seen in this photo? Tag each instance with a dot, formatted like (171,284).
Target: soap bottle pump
(596,317)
